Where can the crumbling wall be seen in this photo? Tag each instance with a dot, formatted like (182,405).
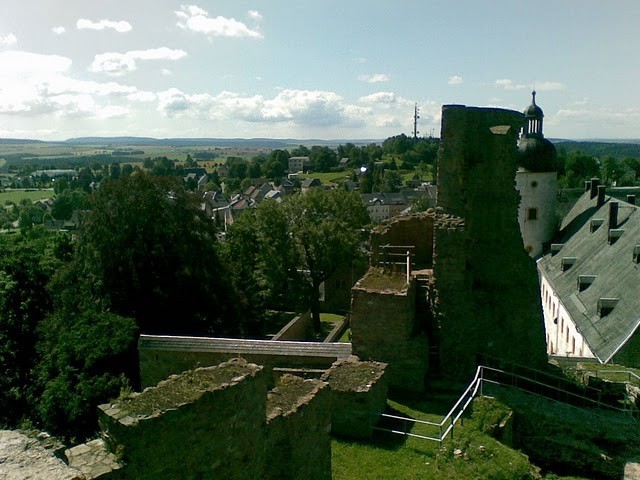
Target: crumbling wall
(486,285)
(358,396)
(25,457)
(205,423)
(300,328)
(384,328)
(298,445)
(410,230)
(161,356)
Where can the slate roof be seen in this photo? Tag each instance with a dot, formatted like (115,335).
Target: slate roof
(617,275)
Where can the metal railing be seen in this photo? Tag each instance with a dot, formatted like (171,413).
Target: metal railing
(446,425)
(492,376)
(631,377)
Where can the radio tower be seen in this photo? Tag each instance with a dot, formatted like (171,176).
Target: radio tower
(415,122)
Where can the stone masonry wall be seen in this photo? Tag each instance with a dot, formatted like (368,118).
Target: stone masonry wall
(358,396)
(383,328)
(206,423)
(486,285)
(415,230)
(298,446)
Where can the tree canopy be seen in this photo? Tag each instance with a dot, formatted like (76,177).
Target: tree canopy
(147,251)
(284,252)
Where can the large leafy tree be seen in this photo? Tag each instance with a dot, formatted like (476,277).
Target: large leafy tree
(147,251)
(326,230)
(85,358)
(24,302)
(265,263)
(283,252)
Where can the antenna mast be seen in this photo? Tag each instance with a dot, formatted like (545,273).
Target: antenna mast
(415,122)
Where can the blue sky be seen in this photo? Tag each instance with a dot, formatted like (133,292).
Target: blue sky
(348,69)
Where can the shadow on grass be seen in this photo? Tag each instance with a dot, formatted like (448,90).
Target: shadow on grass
(426,402)
(387,439)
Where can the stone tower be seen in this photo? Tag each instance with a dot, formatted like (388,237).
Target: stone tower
(486,286)
(536,181)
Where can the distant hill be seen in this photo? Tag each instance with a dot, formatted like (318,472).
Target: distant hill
(604,148)
(210,142)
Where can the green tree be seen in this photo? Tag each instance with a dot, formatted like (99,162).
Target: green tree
(276,164)
(322,158)
(238,167)
(68,201)
(86,358)
(391,181)
(147,251)
(326,230)
(281,253)
(265,265)
(26,266)
(190,162)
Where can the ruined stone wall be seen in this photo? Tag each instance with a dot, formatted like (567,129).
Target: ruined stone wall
(415,230)
(486,285)
(207,423)
(384,328)
(300,328)
(160,357)
(358,396)
(298,445)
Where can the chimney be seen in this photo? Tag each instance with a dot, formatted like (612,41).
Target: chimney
(587,185)
(601,191)
(631,199)
(613,215)
(594,187)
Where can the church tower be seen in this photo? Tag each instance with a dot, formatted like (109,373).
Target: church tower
(536,181)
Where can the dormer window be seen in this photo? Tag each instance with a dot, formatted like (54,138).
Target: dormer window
(532,213)
(567,263)
(584,281)
(606,305)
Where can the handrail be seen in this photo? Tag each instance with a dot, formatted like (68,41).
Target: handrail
(455,413)
(596,371)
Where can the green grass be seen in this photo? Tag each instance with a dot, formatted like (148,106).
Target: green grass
(470,454)
(17,195)
(330,317)
(328,177)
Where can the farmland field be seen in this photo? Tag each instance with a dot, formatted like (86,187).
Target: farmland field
(15,195)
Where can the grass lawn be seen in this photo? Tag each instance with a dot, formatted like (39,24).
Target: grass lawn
(328,177)
(470,454)
(18,194)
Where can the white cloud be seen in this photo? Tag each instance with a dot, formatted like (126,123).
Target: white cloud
(166,72)
(58,30)
(380,97)
(195,19)
(8,39)
(508,84)
(116,64)
(16,64)
(374,78)
(121,26)
(604,115)
(455,80)
(255,15)
(547,86)
(33,84)
(361,60)
(312,108)
(141,96)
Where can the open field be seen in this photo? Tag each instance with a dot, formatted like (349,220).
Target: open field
(18,194)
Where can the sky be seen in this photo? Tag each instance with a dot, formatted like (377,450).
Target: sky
(313,69)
